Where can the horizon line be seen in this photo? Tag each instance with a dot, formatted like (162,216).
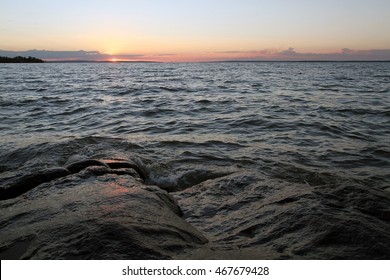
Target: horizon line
(214,61)
(290,54)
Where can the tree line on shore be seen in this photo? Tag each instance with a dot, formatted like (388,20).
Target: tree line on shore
(20,59)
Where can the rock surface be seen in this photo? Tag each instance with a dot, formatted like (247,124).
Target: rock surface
(80,165)
(87,217)
(18,186)
(106,211)
(254,217)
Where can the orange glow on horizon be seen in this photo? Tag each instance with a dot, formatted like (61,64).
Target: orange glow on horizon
(276,54)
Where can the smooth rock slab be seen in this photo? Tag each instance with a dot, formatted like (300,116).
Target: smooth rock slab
(105,217)
(246,214)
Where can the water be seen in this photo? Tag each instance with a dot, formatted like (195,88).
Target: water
(312,124)
(280,117)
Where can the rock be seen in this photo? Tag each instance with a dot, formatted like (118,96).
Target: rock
(96,170)
(102,170)
(246,212)
(107,212)
(127,171)
(104,217)
(80,165)
(119,164)
(55,172)
(25,183)
(75,158)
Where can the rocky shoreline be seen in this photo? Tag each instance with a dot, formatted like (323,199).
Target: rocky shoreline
(102,209)
(18,186)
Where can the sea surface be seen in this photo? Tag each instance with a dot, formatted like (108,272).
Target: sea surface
(299,118)
(311,124)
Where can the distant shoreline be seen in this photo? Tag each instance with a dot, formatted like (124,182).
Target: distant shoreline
(20,59)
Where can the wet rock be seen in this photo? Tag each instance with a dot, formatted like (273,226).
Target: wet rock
(248,212)
(80,165)
(106,212)
(98,217)
(127,171)
(55,172)
(119,164)
(187,178)
(96,170)
(102,170)
(20,185)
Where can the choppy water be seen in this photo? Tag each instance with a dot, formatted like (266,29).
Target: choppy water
(298,118)
(307,123)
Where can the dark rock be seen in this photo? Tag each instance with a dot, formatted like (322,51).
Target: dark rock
(55,172)
(80,165)
(25,183)
(295,221)
(102,170)
(97,170)
(108,213)
(104,217)
(127,171)
(119,164)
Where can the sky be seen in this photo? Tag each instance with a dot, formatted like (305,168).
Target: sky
(196,30)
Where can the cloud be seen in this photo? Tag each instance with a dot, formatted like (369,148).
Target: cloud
(344,54)
(258,52)
(346,51)
(289,51)
(291,54)
(69,55)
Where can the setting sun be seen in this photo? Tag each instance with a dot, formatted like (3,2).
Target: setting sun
(114,60)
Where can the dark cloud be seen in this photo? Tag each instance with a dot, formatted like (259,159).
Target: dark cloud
(344,54)
(291,54)
(68,55)
(289,51)
(261,52)
(346,50)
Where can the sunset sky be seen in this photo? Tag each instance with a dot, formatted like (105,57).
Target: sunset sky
(197,30)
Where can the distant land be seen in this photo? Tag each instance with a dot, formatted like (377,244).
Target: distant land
(20,59)
(289,54)
(73,56)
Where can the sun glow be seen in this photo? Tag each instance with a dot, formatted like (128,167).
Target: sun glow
(114,59)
